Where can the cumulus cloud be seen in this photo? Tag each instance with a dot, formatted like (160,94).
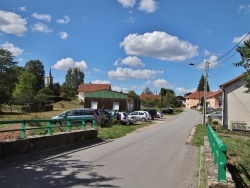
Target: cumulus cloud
(244,8)
(22,9)
(160,83)
(120,89)
(14,50)
(45,17)
(41,28)
(132,61)
(238,39)
(100,82)
(212,62)
(65,64)
(65,20)
(127,73)
(159,45)
(149,6)
(63,35)
(182,91)
(127,3)
(206,52)
(96,70)
(12,23)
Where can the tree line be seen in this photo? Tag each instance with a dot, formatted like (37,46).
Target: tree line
(20,85)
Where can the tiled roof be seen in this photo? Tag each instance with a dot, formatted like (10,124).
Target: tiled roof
(93,87)
(231,81)
(144,96)
(200,94)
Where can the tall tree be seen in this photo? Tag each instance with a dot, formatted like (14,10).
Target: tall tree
(147,91)
(25,88)
(8,76)
(201,84)
(245,62)
(73,79)
(36,67)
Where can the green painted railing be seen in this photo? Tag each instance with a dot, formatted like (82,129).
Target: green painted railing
(50,124)
(219,151)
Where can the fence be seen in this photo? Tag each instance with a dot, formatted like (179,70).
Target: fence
(219,151)
(50,124)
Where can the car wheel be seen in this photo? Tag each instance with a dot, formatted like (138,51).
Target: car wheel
(143,119)
(58,123)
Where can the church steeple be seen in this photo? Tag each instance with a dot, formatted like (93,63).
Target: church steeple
(49,79)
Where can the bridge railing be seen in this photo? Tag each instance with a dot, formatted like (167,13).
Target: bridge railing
(69,122)
(219,151)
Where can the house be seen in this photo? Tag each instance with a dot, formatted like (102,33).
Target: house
(182,100)
(48,80)
(108,99)
(236,104)
(86,88)
(213,99)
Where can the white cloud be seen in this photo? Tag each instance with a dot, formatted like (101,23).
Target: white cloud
(45,17)
(159,45)
(65,64)
(41,28)
(14,50)
(160,83)
(182,91)
(244,8)
(238,39)
(12,23)
(206,52)
(63,35)
(212,62)
(22,9)
(127,73)
(149,6)
(127,3)
(65,20)
(100,82)
(119,89)
(132,61)
(96,70)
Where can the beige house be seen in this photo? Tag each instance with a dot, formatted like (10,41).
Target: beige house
(214,99)
(236,104)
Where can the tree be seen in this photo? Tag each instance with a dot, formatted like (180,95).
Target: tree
(25,89)
(245,59)
(170,100)
(147,91)
(36,67)
(132,93)
(73,79)
(186,94)
(201,84)
(8,76)
(56,88)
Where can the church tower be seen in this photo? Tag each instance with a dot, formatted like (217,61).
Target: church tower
(49,79)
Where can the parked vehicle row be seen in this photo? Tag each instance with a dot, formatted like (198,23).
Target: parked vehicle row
(104,116)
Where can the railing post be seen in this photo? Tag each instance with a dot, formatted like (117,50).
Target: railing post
(83,125)
(93,124)
(49,128)
(68,126)
(23,127)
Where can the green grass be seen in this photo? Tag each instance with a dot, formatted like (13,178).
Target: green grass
(198,138)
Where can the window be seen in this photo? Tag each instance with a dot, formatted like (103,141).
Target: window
(115,105)
(94,104)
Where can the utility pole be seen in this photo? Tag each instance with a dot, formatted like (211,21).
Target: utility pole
(205,94)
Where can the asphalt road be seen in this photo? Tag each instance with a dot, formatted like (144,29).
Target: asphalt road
(156,157)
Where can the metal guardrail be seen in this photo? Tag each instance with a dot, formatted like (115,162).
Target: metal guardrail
(219,151)
(50,124)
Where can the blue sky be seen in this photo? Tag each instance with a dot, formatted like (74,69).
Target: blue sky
(130,44)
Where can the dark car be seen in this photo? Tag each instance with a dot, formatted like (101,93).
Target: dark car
(152,112)
(168,111)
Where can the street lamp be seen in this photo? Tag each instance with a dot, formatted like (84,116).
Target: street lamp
(205,92)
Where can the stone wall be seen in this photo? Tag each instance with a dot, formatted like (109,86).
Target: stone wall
(19,147)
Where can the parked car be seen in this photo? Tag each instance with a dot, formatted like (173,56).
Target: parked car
(139,115)
(217,114)
(168,111)
(152,112)
(84,113)
(148,115)
(123,118)
(159,114)
(132,119)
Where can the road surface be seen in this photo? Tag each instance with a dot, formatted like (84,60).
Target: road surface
(156,157)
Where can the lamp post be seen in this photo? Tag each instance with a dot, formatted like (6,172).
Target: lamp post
(205,92)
